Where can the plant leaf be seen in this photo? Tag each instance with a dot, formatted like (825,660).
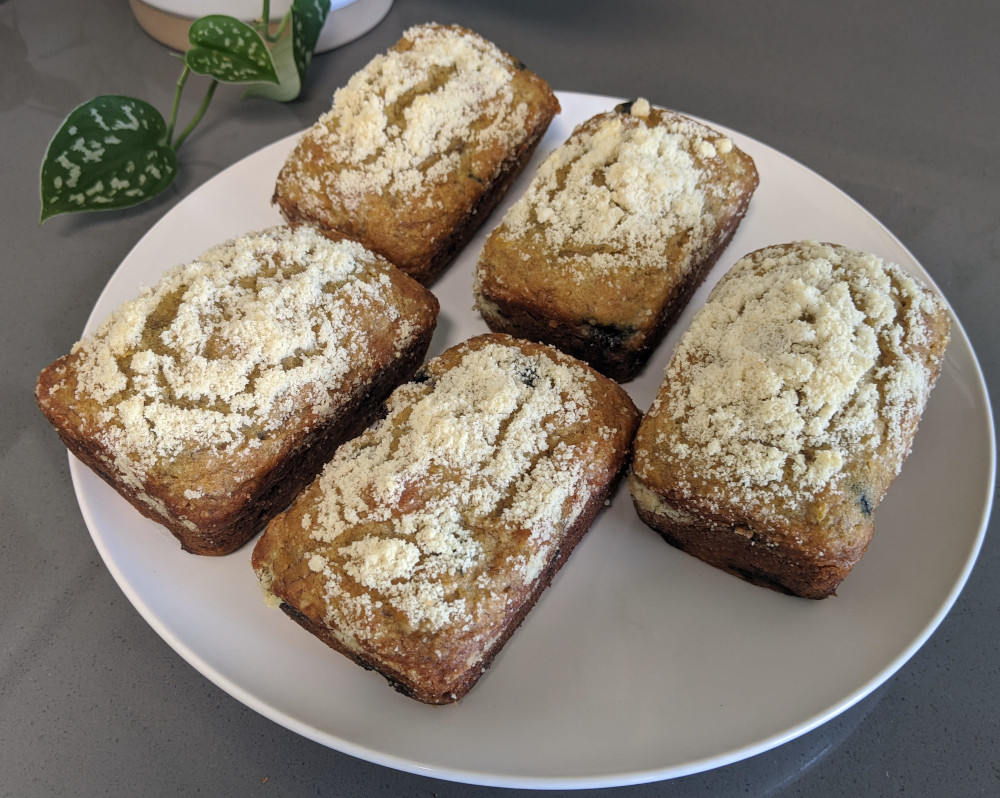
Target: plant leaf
(289,82)
(109,153)
(229,50)
(308,17)
(293,52)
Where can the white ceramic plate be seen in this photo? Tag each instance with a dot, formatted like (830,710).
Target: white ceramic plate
(640,662)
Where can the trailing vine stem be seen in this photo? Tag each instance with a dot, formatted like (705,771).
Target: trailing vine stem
(264,25)
(197,117)
(177,102)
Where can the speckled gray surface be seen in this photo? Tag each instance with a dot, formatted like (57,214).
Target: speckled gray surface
(894,103)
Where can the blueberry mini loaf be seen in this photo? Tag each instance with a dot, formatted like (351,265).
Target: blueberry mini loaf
(618,228)
(786,411)
(211,399)
(426,540)
(419,147)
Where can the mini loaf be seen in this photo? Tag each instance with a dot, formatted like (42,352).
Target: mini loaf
(786,411)
(618,228)
(211,399)
(419,147)
(425,541)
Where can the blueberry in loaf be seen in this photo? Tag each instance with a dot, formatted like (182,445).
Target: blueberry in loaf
(212,398)
(619,226)
(418,148)
(425,541)
(786,412)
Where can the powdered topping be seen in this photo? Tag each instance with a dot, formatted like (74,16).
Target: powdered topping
(214,354)
(801,354)
(619,190)
(402,123)
(467,482)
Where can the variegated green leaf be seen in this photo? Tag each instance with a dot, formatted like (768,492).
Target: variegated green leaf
(229,50)
(109,153)
(308,17)
(293,52)
(289,83)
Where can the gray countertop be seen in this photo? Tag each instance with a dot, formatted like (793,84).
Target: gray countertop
(896,104)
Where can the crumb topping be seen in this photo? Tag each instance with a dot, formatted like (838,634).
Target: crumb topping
(800,355)
(216,352)
(640,108)
(401,124)
(619,190)
(462,490)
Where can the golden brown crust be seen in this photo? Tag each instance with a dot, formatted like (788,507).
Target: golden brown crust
(763,559)
(214,498)
(478,532)
(608,293)
(770,445)
(417,207)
